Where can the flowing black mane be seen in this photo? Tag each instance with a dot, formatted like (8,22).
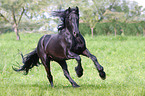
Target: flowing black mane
(63,15)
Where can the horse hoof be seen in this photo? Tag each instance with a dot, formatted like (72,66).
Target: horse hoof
(102,74)
(76,86)
(79,72)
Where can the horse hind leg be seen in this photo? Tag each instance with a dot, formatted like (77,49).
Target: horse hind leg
(46,63)
(66,73)
(49,76)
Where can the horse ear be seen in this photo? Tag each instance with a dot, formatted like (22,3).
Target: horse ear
(77,9)
(69,9)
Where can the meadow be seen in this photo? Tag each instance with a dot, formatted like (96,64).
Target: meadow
(123,59)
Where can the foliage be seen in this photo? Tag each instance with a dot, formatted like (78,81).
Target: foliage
(84,29)
(123,59)
(108,28)
(35,15)
(12,11)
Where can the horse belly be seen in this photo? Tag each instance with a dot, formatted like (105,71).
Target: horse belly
(56,52)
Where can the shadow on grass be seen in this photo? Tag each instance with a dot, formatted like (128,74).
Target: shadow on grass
(46,85)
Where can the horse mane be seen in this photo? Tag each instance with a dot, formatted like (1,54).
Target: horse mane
(63,15)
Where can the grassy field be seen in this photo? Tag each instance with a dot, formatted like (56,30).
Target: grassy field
(123,59)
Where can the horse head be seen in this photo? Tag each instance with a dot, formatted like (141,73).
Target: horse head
(72,21)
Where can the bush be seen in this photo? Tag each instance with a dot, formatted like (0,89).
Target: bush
(109,28)
(84,29)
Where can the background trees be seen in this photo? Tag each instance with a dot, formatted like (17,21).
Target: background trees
(31,15)
(12,11)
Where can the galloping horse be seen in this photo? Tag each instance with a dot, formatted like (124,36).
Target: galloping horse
(67,44)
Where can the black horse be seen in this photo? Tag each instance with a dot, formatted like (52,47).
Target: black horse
(67,44)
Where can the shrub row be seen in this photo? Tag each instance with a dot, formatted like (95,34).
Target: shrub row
(109,28)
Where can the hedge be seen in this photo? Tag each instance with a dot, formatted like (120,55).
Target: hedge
(108,28)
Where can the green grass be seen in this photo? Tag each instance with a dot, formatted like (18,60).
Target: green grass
(123,59)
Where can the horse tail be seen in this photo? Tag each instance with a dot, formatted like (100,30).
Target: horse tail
(29,61)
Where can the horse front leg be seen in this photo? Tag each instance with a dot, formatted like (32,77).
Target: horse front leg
(78,69)
(100,69)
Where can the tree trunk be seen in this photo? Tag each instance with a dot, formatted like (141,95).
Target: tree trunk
(122,32)
(115,31)
(144,32)
(137,34)
(92,31)
(16,31)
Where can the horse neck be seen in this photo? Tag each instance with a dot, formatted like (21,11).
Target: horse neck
(65,32)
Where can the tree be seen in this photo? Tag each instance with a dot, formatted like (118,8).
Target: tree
(115,18)
(132,11)
(90,18)
(13,8)
(94,12)
(12,11)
